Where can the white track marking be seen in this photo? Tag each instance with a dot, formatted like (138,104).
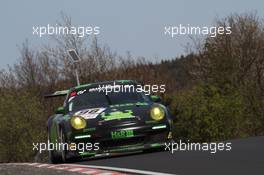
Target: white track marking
(76,169)
(61,168)
(43,165)
(125,170)
(53,166)
(89,172)
(106,174)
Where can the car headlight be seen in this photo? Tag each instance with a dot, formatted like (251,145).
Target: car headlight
(78,122)
(157,113)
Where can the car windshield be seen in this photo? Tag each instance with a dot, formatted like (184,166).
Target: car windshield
(100,99)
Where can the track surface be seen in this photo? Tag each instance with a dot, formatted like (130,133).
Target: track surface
(246,157)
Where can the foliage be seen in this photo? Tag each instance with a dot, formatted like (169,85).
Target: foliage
(21,124)
(204,113)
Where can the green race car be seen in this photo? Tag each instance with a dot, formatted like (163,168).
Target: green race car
(93,123)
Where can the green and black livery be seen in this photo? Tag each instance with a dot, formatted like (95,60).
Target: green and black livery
(119,122)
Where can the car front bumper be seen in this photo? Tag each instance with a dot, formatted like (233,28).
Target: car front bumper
(143,137)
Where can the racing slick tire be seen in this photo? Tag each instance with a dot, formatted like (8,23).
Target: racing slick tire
(54,156)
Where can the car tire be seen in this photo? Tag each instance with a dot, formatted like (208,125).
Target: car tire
(54,156)
(62,141)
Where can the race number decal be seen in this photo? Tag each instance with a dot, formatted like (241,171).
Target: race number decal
(90,113)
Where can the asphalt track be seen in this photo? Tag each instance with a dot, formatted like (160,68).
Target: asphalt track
(246,157)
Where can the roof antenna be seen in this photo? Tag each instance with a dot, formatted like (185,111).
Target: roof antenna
(75,60)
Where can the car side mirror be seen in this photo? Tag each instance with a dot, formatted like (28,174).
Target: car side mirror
(155,98)
(60,110)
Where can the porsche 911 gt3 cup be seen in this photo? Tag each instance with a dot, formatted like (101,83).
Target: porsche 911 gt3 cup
(92,123)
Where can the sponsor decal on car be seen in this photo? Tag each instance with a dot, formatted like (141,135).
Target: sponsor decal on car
(91,113)
(122,134)
(117,115)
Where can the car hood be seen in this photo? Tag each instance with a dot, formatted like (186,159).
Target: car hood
(116,114)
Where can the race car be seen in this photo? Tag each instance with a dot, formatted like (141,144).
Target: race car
(98,119)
